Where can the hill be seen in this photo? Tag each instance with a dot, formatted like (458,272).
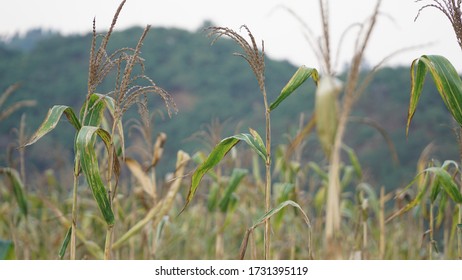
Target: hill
(208,83)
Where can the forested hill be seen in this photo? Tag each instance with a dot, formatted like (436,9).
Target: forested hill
(208,83)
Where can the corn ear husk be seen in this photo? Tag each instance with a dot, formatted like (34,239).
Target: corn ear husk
(326,111)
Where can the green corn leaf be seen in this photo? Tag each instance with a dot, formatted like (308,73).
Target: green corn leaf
(110,104)
(446,80)
(296,81)
(236,177)
(354,161)
(448,163)
(286,191)
(199,158)
(91,113)
(267,216)
(214,158)
(442,180)
(411,204)
(66,241)
(85,148)
(95,107)
(278,208)
(254,141)
(447,183)
(18,188)
(7,250)
(52,119)
(212,199)
(435,188)
(320,198)
(318,170)
(441,209)
(347,176)
(219,152)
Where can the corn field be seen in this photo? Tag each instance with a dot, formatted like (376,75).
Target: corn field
(241,196)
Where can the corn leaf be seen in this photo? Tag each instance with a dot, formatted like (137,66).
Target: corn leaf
(7,250)
(442,180)
(347,175)
(278,208)
(219,152)
(254,141)
(91,113)
(435,189)
(296,81)
(287,189)
(267,216)
(442,208)
(236,177)
(91,246)
(52,119)
(354,161)
(211,161)
(85,148)
(448,184)
(411,204)
(446,80)
(318,170)
(212,199)
(18,187)
(95,108)
(66,241)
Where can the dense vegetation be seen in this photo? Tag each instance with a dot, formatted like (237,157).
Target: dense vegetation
(209,84)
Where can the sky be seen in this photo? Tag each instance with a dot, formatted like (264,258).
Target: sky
(283,35)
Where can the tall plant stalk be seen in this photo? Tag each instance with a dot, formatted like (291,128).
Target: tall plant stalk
(459,232)
(90,121)
(256,61)
(74,208)
(267,239)
(330,125)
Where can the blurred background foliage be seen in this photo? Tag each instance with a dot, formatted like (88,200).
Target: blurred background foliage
(208,83)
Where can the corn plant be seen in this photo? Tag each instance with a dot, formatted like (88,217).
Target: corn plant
(446,80)
(332,112)
(436,184)
(256,60)
(17,188)
(15,178)
(89,124)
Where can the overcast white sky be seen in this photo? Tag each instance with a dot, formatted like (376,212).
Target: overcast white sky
(281,32)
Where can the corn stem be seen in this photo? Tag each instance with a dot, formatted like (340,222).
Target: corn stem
(108,244)
(459,233)
(74,207)
(430,244)
(267,238)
